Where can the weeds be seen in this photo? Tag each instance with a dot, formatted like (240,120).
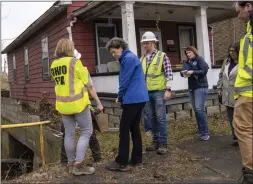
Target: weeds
(176,165)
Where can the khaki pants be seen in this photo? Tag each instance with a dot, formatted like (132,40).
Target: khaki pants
(243,128)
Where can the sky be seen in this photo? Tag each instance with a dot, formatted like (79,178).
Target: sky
(17,16)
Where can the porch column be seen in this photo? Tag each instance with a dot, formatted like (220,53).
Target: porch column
(202,34)
(128,25)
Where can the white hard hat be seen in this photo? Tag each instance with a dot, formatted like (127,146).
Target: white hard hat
(77,55)
(148,36)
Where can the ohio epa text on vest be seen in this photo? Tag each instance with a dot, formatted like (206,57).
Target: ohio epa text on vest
(58,73)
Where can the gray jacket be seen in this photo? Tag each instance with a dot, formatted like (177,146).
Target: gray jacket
(226,83)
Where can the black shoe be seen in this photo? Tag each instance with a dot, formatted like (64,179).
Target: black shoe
(247,176)
(134,164)
(153,147)
(114,166)
(97,159)
(235,144)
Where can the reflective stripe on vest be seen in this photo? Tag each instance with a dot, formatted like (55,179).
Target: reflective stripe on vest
(246,45)
(71,77)
(245,88)
(246,68)
(72,97)
(157,64)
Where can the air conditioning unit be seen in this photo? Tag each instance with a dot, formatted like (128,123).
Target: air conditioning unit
(113,66)
(101,68)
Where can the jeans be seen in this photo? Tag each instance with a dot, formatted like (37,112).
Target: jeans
(147,123)
(85,123)
(157,115)
(130,121)
(198,99)
(230,112)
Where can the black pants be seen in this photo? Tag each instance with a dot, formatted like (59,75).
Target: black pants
(230,112)
(130,121)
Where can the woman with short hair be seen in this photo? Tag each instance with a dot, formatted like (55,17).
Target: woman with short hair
(72,88)
(132,95)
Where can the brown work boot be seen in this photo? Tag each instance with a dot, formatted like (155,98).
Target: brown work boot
(153,147)
(162,149)
(80,169)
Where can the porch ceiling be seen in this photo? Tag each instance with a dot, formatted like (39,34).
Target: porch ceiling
(168,11)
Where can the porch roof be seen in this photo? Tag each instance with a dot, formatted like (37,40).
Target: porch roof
(170,11)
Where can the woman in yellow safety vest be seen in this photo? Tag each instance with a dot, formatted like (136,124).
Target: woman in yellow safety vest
(72,88)
(243,91)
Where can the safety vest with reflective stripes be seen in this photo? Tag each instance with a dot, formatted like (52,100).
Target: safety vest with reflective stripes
(71,78)
(155,79)
(243,84)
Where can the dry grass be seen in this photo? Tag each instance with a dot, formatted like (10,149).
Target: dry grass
(177,165)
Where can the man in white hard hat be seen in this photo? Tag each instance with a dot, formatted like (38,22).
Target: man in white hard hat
(158,74)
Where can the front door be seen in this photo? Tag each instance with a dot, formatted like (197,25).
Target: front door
(158,37)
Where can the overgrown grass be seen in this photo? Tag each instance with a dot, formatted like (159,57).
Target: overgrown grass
(179,164)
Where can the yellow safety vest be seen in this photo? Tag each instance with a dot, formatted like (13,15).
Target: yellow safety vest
(71,78)
(155,79)
(243,84)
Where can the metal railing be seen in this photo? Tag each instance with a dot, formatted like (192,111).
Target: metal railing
(41,134)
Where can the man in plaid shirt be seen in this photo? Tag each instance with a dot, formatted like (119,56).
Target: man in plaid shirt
(158,74)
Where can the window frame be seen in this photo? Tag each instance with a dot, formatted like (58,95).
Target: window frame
(45,76)
(192,39)
(26,64)
(14,67)
(97,44)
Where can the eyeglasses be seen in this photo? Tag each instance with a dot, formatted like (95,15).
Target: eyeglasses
(146,43)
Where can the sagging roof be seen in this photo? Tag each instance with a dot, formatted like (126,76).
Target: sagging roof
(51,13)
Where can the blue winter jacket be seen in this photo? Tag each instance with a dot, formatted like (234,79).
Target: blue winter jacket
(132,85)
(200,68)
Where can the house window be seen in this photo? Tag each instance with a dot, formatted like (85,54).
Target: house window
(104,32)
(14,67)
(186,38)
(26,63)
(45,58)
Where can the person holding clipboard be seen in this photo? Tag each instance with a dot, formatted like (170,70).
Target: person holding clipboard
(195,69)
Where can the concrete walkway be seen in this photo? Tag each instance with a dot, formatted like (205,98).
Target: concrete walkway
(220,163)
(221,158)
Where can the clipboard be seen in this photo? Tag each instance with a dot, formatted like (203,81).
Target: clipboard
(184,73)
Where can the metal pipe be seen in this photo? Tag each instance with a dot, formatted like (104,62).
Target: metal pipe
(42,145)
(41,134)
(69,29)
(24,124)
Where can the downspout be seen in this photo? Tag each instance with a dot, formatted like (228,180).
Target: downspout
(212,44)
(234,29)
(69,29)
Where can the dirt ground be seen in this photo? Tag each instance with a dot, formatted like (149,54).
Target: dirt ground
(178,165)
